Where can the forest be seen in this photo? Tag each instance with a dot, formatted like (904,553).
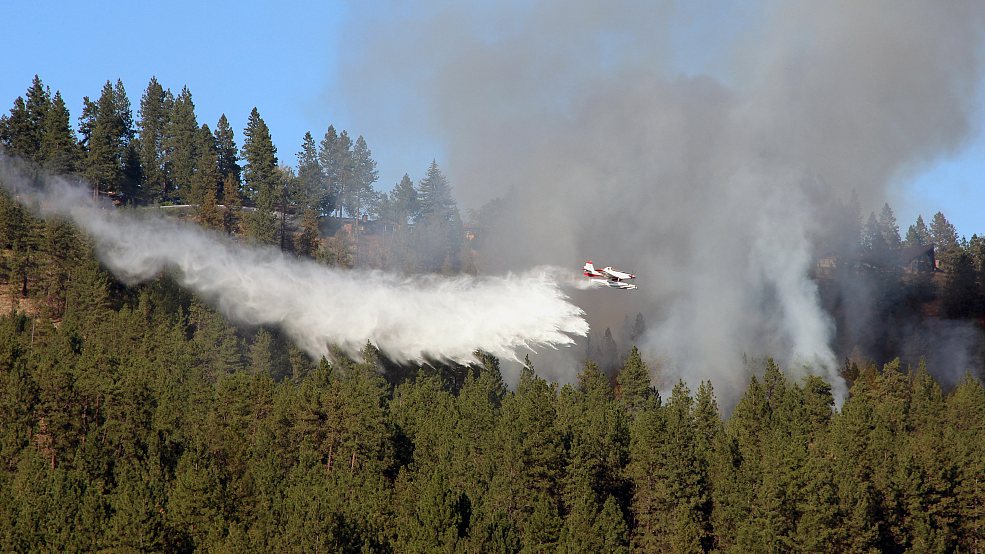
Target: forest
(137,418)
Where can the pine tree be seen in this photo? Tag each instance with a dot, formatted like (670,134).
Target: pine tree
(359,194)
(434,526)
(59,148)
(528,448)
(103,165)
(262,182)
(434,195)
(232,203)
(918,235)
(226,150)
(38,102)
(330,168)
(312,184)
(635,391)
(580,533)
(206,180)
(599,436)
(155,105)
(965,418)
(22,231)
(873,243)
(21,132)
(137,522)
(180,146)
(195,503)
(404,199)
(961,296)
(15,131)
(342,170)
(128,154)
(610,527)
(306,242)
(888,228)
(944,237)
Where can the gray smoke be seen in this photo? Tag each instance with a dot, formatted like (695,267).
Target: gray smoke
(408,318)
(715,189)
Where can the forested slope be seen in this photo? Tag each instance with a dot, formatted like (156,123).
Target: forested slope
(139,419)
(143,421)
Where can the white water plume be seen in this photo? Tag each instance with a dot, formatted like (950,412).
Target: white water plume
(407,317)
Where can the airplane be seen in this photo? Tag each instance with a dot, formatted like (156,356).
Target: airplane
(609,277)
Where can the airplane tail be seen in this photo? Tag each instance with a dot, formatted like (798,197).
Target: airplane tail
(589,269)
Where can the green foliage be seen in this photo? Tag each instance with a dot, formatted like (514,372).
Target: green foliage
(226,152)
(155,105)
(263,183)
(59,150)
(635,390)
(107,128)
(181,148)
(140,419)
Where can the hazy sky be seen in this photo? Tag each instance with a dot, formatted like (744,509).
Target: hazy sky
(284,58)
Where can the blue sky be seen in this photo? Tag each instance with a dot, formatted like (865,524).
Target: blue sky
(283,59)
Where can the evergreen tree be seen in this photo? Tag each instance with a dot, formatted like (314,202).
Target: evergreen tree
(59,148)
(888,228)
(529,452)
(330,168)
(22,132)
(155,106)
(917,234)
(262,182)
(106,142)
(306,241)
(342,170)
(976,249)
(180,146)
(226,150)
(965,417)
(434,195)
(961,296)
(434,525)
(22,232)
(404,200)
(87,121)
(107,130)
(635,391)
(874,245)
(128,154)
(312,184)
(608,351)
(610,527)
(579,534)
(599,436)
(15,131)
(207,181)
(232,203)
(137,522)
(945,239)
(359,194)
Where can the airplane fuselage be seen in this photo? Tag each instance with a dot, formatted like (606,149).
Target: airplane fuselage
(607,276)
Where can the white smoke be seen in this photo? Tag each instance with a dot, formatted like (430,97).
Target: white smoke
(714,188)
(408,318)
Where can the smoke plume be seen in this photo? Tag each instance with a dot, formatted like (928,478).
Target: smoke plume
(717,189)
(408,318)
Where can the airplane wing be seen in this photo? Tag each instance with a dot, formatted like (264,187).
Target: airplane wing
(616,275)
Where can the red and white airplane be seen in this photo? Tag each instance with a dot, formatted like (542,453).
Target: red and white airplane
(609,277)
